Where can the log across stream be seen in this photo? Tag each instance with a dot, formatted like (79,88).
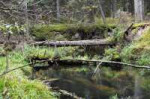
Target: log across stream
(79,62)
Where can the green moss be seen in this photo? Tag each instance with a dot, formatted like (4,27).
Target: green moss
(15,88)
(139,25)
(134,31)
(15,85)
(49,32)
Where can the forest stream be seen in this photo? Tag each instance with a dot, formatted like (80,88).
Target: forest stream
(105,84)
(74,49)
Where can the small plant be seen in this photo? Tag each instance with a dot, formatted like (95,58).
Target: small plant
(112,54)
(114,97)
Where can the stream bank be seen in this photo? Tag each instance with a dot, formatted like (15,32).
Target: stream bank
(81,79)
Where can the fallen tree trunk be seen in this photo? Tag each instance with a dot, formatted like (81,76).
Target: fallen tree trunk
(80,62)
(75,43)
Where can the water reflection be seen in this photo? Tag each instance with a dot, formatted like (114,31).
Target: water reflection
(105,84)
(137,90)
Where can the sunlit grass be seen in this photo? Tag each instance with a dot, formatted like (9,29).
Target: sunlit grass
(15,88)
(15,85)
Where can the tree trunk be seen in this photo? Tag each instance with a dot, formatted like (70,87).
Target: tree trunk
(139,10)
(58,9)
(127,5)
(102,12)
(75,43)
(114,8)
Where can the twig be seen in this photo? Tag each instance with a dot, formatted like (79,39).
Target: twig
(7,61)
(8,71)
(97,68)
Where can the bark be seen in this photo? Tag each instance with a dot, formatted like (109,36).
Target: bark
(80,62)
(75,43)
(127,5)
(58,9)
(114,8)
(139,10)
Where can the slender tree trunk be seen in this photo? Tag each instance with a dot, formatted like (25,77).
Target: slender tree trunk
(139,10)
(115,8)
(58,9)
(26,16)
(102,12)
(127,5)
(26,35)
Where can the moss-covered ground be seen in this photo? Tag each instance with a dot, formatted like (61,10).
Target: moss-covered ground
(16,84)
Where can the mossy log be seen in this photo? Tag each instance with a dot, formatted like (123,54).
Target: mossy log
(77,62)
(75,43)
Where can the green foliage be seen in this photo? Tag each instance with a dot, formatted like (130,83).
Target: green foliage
(118,35)
(15,85)
(15,88)
(50,53)
(138,51)
(112,54)
(126,53)
(114,97)
(144,59)
(13,29)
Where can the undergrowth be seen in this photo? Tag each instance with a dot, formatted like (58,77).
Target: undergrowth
(138,51)
(16,85)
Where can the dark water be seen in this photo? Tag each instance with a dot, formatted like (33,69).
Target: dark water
(105,84)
